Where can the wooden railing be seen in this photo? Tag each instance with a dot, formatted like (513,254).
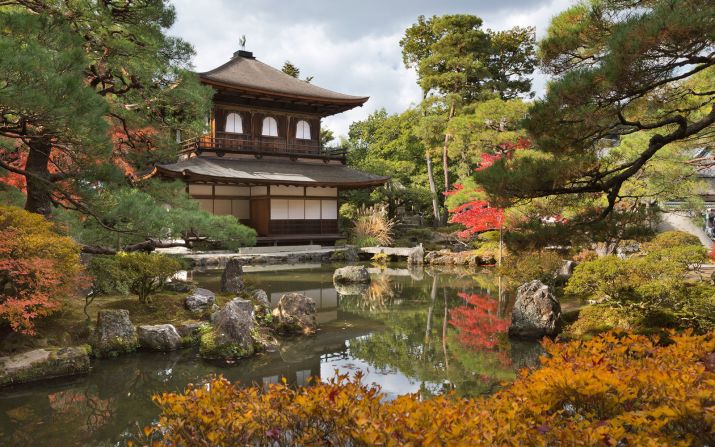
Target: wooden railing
(239,144)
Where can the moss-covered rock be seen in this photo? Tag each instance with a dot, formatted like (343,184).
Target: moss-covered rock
(46,363)
(296,314)
(213,345)
(114,334)
(231,335)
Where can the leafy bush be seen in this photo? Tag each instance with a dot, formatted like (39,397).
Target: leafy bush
(107,276)
(142,274)
(653,286)
(670,239)
(372,227)
(595,319)
(612,390)
(380,259)
(38,267)
(523,267)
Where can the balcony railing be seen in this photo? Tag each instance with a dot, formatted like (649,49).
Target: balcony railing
(259,146)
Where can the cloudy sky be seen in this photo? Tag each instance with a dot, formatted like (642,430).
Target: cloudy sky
(351,47)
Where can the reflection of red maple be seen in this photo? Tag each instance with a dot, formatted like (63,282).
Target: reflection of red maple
(477,321)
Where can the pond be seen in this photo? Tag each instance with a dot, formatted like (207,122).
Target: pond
(410,330)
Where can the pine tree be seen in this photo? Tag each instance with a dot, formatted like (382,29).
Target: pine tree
(91,93)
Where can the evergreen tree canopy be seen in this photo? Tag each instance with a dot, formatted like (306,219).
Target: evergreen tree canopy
(92,93)
(634,71)
(454,55)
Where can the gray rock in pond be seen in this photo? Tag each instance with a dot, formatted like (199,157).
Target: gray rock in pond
(232,277)
(231,336)
(536,313)
(296,313)
(114,334)
(200,301)
(416,256)
(45,363)
(159,337)
(352,274)
(260,297)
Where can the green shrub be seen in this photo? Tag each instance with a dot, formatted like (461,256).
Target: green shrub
(142,274)
(653,286)
(525,267)
(108,277)
(670,239)
(594,319)
(380,258)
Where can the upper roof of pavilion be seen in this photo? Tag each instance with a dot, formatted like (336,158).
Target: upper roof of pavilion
(249,76)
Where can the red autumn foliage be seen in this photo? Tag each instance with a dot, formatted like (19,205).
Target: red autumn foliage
(38,267)
(477,215)
(478,321)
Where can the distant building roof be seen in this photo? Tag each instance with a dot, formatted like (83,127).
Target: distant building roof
(245,72)
(252,171)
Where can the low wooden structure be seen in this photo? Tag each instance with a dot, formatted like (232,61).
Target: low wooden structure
(262,161)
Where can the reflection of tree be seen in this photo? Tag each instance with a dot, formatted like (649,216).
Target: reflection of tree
(478,322)
(379,293)
(420,340)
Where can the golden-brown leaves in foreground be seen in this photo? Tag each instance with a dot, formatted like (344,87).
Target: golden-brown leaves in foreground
(616,389)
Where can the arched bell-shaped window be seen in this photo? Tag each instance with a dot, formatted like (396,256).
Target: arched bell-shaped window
(302,130)
(234,123)
(270,127)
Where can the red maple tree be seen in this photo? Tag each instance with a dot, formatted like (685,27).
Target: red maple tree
(479,215)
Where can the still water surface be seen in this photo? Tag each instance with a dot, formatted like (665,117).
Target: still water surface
(411,330)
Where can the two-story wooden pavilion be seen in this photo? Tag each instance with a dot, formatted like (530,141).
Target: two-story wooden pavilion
(262,161)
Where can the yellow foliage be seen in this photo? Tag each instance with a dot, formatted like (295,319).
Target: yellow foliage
(616,389)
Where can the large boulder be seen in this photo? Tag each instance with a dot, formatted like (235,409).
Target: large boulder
(200,301)
(159,337)
(352,274)
(114,334)
(45,363)
(232,277)
(536,312)
(296,313)
(231,336)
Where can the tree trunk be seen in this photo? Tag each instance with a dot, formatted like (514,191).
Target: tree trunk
(433,191)
(38,181)
(445,159)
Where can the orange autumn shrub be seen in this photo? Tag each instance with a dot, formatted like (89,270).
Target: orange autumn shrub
(38,267)
(616,389)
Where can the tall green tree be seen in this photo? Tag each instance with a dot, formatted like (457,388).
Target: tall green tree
(459,61)
(91,93)
(636,72)
(387,144)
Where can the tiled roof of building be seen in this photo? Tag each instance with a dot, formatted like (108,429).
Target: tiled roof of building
(261,171)
(243,71)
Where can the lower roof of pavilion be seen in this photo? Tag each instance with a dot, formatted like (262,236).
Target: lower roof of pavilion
(268,172)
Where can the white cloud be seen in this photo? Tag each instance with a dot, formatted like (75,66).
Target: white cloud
(343,53)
